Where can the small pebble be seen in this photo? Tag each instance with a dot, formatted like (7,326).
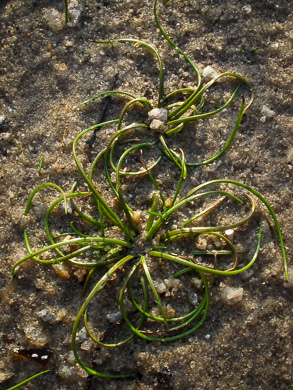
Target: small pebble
(158,126)
(87,345)
(68,374)
(74,10)
(54,20)
(82,335)
(201,243)
(217,242)
(267,112)
(170,312)
(69,43)
(137,216)
(232,295)
(36,336)
(160,114)
(4,376)
(229,234)
(196,282)
(209,73)
(80,274)
(62,270)
(247,9)
(160,286)
(47,316)
(113,317)
(12,39)
(193,298)
(62,67)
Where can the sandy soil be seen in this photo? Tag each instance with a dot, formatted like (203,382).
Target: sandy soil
(45,71)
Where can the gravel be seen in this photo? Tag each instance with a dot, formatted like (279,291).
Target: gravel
(46,70)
